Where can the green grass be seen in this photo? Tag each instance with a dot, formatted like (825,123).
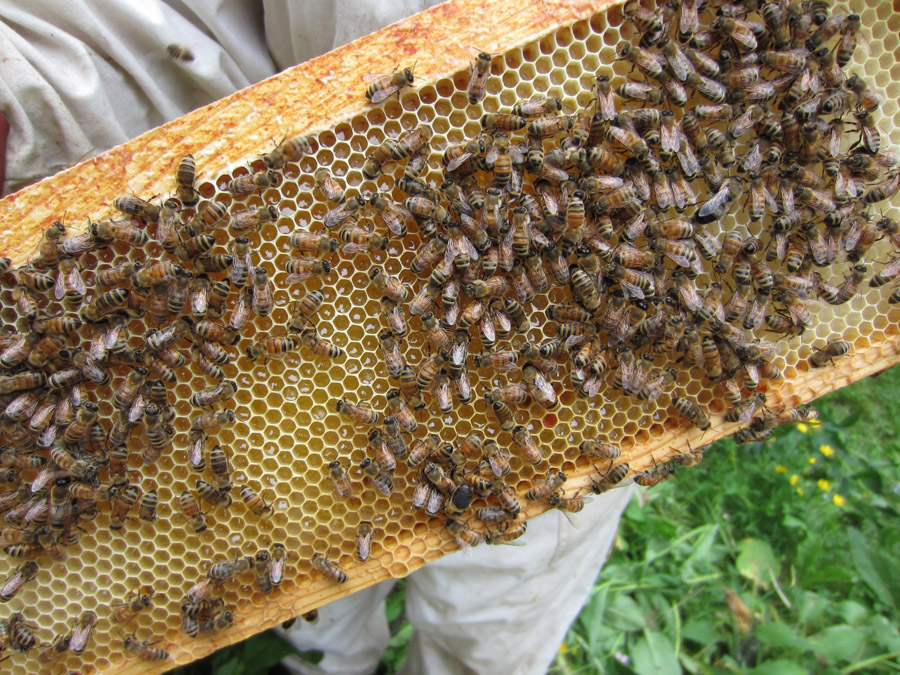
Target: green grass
(746,563)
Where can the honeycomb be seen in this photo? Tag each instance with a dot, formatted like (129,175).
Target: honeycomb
(286,430)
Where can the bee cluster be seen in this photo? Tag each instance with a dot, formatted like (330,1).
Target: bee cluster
(662,242)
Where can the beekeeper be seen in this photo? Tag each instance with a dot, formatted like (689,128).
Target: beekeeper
(80,76)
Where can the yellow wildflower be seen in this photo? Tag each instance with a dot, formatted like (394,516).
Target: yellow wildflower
(803,428)
(812,460)
(800,491)
(781,468)
(838,500)
(563,648)
(823,484)
(815,423)
(826,450)
(793,480)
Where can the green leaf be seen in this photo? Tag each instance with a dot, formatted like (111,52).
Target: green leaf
(839,643)
(775,634)
(393,606)
(778,667)
(264,650)
(654,653)
(624,614)
(756,561)
(702,632)
(851,611)
(870,565)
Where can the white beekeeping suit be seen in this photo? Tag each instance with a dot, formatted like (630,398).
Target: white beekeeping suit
(80,76)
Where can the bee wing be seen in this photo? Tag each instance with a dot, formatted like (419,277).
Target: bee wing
(492,154)
(715,203)
(680,66)
(473,252)
(606,106)
(352,249)
(798,313)
(592,386)
(669,138)
(635,227)
(516,154)
(682,260)
(59,288)
(488,329)
(631,291)
(690,298)
(688,161)
(459,161)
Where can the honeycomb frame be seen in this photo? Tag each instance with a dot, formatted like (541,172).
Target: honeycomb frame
(540,40)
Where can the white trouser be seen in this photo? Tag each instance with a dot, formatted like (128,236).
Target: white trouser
(491,609)
(79,76)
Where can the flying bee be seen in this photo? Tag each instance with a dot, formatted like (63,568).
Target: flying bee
(360,414)
(328,568)
(832,350)
(385,86)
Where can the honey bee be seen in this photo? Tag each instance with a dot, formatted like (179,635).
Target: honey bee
(255,502)
(479,72)
(465,536)
(526,445)
(34,280)
(692,412)
(180,54)
(144,649)
(289,150)
(340,480)
(211,420)
(509,531)
(381,480)
(599,449)
(253,218)
(385,86)
(122,505)
(401,412)
(328,568)
(247,184)
(364,540)
(127,611)
(388,285)
(361,414)
(276,567)
(544,489)
(610,479)
(439,479)
(832,350)
(272,348)
(503,122)
(105,303)
(310,339)
(262,566)
(57,648)
(14,583)
(147,506)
